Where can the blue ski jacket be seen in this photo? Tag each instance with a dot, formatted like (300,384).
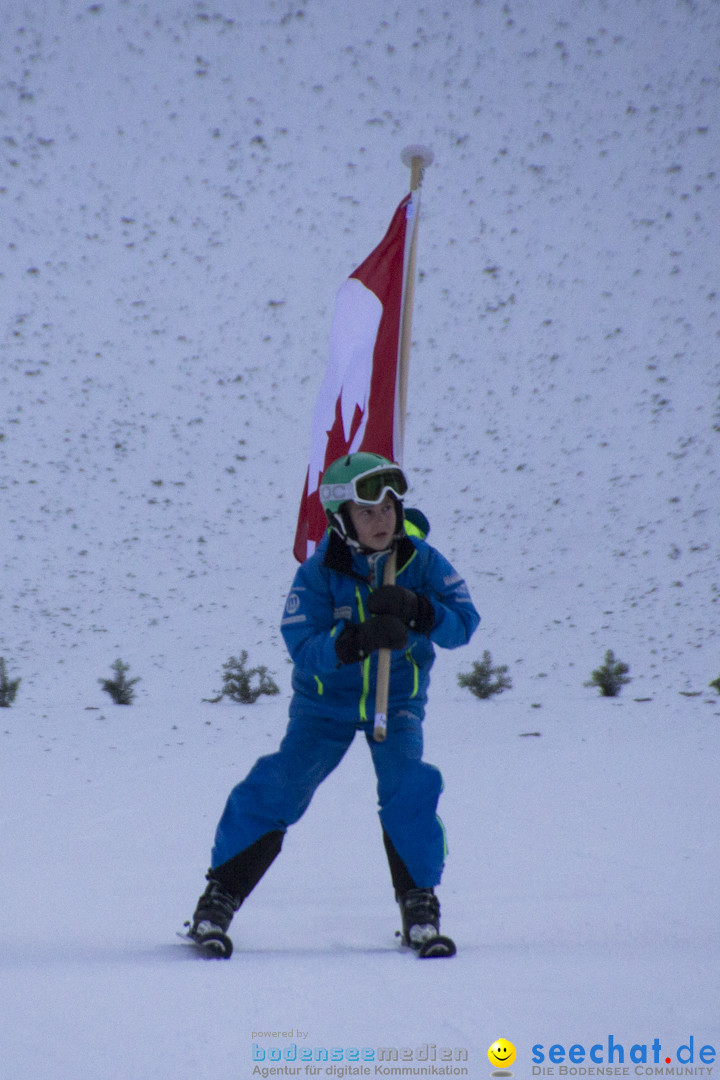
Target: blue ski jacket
(331,588)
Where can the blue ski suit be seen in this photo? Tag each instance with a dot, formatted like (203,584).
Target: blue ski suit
(331,702)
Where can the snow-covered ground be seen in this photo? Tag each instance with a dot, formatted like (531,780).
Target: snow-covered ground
(184,186)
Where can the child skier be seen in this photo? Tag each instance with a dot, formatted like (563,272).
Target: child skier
(336,617)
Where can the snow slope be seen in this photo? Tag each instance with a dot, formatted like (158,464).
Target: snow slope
(183,188)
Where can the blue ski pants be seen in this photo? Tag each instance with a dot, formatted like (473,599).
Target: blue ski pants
(278,789)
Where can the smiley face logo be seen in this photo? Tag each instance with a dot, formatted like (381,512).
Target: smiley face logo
(501,1054)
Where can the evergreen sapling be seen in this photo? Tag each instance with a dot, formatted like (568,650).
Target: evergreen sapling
(120,689)
(8,687)
(611,677)
(238,681)
(480,680)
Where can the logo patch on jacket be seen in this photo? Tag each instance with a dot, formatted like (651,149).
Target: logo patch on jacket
(292,606)
(343,613)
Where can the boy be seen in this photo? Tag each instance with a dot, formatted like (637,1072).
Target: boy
(337,615)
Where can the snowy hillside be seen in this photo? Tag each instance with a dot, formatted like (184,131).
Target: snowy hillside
(183,188)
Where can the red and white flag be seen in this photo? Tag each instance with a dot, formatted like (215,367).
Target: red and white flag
(357,407)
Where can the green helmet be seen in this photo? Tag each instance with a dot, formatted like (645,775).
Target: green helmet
(361,478)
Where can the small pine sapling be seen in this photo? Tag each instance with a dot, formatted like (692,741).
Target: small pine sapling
(485,680)
(8,687)
(715,685)
(611,677)
(120,688)
(238,681)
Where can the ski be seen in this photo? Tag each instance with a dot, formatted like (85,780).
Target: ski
(431,948)
(213,944)
(435,947)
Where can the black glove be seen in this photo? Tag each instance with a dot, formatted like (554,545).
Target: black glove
(358,640)
(415,610)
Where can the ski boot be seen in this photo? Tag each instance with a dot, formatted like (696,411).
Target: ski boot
(420,911)
(213,915)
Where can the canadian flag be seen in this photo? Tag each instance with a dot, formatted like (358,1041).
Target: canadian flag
(358,405)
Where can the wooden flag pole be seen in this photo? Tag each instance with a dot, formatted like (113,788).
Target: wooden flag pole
(416,158)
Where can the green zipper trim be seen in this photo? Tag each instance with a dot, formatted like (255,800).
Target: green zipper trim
(416,672)
(403,568)
(320,687)
(366,662)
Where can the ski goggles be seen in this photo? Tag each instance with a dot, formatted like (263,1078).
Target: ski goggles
(368,488)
